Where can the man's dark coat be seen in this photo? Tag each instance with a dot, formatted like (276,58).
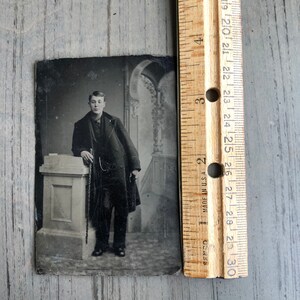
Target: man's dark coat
(122,154)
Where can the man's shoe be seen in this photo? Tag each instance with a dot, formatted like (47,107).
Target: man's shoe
(119,251)
(98,251)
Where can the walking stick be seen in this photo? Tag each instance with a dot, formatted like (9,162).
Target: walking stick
(87,202)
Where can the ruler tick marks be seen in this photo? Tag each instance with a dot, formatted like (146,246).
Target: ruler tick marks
(219,27)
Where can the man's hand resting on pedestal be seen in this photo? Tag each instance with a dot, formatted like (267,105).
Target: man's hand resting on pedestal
(87,156)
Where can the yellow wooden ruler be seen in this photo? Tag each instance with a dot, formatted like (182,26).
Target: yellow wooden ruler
(213,183)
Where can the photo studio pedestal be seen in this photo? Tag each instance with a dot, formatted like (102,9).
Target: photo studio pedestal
(64,222)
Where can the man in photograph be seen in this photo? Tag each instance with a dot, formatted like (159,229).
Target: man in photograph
(102,141)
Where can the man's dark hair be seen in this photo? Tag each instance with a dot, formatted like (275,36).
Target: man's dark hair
(97,94)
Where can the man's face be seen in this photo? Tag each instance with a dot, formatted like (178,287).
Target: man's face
(97,103)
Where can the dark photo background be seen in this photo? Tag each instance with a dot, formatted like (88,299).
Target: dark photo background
(62,96)
(141,91)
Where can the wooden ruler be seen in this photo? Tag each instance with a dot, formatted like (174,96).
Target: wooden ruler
(212,149)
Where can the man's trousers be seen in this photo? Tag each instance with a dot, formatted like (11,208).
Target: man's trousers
(108,205)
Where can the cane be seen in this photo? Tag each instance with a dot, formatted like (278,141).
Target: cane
(87,202)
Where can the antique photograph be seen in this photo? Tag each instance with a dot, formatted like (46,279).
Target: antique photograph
(106,182)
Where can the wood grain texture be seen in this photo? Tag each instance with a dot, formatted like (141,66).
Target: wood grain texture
(32,30)
(213,137)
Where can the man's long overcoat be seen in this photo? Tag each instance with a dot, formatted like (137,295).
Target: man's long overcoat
(122,153)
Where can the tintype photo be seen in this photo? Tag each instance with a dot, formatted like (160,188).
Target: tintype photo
(106,189)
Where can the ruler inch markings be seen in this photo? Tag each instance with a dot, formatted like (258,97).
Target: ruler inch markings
(213,210)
